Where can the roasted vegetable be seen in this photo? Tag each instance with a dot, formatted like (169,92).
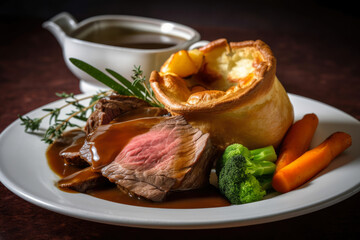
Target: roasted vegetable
(311,162)
(297,140)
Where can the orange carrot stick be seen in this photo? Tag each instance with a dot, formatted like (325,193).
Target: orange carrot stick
(310,163)
(297,140)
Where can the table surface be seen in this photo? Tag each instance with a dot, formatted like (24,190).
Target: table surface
(314,61)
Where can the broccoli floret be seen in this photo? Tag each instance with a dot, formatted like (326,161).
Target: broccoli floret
(230,151)
(245,175)
(265,154)
(251,190)
(231,176)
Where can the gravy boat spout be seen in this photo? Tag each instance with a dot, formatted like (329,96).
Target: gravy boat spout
(61,26)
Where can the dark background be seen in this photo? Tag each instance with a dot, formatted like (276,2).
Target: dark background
(269,16)
(238,13)
(316,44)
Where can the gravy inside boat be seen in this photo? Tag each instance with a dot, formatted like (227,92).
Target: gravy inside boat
(116,34)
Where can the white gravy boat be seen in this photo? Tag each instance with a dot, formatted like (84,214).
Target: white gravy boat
(74,37)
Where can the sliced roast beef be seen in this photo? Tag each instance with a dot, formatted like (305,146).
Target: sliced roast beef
(115,108)
(171,156)
(83,180)
(106,142)
(111,107)
(73,140)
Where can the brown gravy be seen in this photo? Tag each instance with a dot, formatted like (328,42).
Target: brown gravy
(108,140)
(201,198)
(109,33)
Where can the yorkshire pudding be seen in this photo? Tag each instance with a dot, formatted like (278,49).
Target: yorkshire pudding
(228,90)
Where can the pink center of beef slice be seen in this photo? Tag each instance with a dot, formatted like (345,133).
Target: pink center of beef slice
(149,150)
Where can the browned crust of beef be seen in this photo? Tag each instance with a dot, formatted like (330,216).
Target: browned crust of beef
(111,107)
(83,180)
(72,140)
(73,159)
(133,188)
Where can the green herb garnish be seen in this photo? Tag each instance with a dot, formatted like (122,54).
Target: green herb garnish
(139,88)
(56,125)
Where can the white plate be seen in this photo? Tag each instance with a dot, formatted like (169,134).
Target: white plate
(24,170)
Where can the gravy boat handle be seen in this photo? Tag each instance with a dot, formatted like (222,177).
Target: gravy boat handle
(61,26)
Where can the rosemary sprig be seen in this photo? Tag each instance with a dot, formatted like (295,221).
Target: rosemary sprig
(139,87)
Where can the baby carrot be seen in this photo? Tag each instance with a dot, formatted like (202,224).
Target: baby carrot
(310,163)
(297,140)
